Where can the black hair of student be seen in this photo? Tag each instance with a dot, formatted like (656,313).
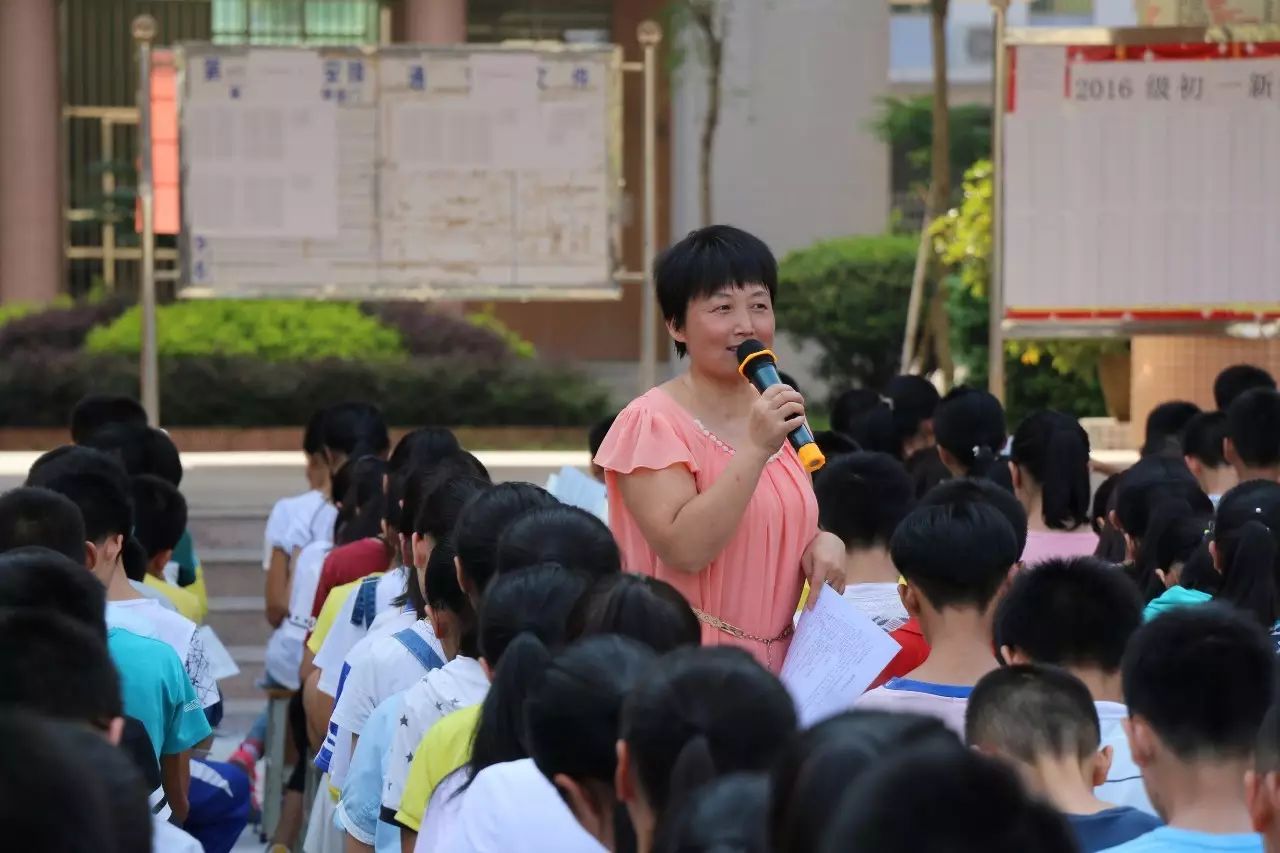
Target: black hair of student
(1236,380)
(1245,534)
(113,771)
(981,489)
(57,667)
(957,552)
(1266,756)
(567,535)
(1199,572)
(727,815)
(701,713)
(705,261)
(851,408)
(1165,427)
(1111,544)
(829,757)
(1076,611)
(862,497)
(36,516)
(1054,450)
(833,444)
(140,449)
(522,624)
(969,424)
(637,606)
(1177,659)
(483,521)
(1202,439)
(160,514)
(133,559)
(418,484)
(96,411)
(421,448)
(974,805)
(442,592)
(443,501)
(39,579)
(571,714)
(1032,711)
(915,400)
(360,505)
(355,429)
(597,433)
(73,459)
(1253,425)
(1148,512)
(105,506)
(1152,479)
(39,766)
(313,433)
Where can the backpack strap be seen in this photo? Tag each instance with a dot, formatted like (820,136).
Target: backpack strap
(419,648)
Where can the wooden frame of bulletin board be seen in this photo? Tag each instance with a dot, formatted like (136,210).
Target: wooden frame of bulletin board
(1136,183)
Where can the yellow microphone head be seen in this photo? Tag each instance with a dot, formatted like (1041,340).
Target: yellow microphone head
(811,457)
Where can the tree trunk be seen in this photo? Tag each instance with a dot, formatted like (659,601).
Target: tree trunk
(704,16)
(938,320)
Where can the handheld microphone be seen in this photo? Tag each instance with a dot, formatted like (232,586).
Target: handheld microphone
(759,366)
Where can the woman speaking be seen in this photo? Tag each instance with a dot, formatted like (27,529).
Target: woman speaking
(704,491)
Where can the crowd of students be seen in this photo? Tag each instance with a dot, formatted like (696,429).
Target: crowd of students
(472,669)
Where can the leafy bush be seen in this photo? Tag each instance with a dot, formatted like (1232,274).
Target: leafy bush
(38,389)
(58,328)
(849,296)
(272,330)
(428,333)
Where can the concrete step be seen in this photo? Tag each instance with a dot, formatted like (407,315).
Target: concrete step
(243,627)
(233,578)
(220,530)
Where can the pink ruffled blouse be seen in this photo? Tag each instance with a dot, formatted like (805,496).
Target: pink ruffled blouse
(755,582)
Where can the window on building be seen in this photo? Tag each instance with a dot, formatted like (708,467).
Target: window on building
(295,21)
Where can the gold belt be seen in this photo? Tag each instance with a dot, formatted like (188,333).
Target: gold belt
(737,633)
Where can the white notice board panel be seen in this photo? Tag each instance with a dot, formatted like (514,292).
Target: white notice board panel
(407,172)
(1141,183)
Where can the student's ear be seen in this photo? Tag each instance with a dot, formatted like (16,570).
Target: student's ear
(90,555)
(584,804)
(1197,469)
(950,462)
(1015,474)
(462,578)
(115,731)
(1014,656)
(1142,741)
(1232,456)
(1255,801)
(622,783)
(1101,766)
(421,550)
(910,599)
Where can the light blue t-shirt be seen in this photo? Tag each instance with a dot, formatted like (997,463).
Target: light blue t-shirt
(358,810)
(157,691)
(1167,839)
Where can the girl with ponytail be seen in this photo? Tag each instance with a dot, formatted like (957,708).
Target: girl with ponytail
(701,713)
(970,428)
(1246,549)
(1155,495)
(1049,465)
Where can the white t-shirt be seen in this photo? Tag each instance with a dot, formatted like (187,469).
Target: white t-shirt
(1124,785)
(513,808)
(154,594)
(343,636)
(145,617)
(297,521)
(284,649)
(879,601)
(441,816)
(167,838)
(908,696)
(458,684)
(377,667)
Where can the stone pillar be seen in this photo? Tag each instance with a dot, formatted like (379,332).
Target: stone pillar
(1176,367)
(435,21)
(30,177)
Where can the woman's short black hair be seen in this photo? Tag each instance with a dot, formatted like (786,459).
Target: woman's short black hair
(707,260)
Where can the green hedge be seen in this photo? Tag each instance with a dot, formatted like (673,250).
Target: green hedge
(849,296)
(38,388)
(271,330)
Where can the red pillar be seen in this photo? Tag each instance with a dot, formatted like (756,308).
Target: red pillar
(435,21)
(30,177)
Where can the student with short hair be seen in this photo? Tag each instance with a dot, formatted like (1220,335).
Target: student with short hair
(1041,720)
(1079,614)
(1202,449)
(95,411)
(1166,425)
(829,757)
(955,556)
(701,713)
(726,814)
(1049,464)
(1197,682)
(160,516)
(862,497)
(1262,782)
(970,428)
(31,516)
(915,403)
(1252,445)
(1236,380)
(950,799)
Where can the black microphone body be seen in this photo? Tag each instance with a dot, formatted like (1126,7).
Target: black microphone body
(758,366)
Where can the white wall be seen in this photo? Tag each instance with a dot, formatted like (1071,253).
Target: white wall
(794,159)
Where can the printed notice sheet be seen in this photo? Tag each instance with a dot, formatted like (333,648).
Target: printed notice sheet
(836,653)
